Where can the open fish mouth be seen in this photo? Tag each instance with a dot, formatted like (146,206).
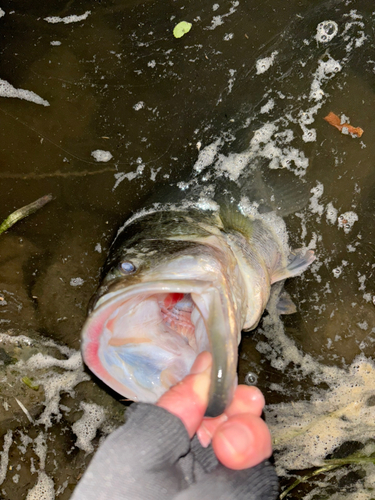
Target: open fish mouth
(143,339)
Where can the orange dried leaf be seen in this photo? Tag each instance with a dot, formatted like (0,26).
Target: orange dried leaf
(335,121)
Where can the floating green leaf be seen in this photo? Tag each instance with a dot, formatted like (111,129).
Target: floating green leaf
(29,383)
(181,29)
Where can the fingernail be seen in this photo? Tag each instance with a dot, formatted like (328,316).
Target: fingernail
(202,362)
(237,437)
(204,437)
(202,377)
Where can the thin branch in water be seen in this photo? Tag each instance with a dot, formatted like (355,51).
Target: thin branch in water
(331,464)
(303,479)
(58,173)
(25,410)
(23,212)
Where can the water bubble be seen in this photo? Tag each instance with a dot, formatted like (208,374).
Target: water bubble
(325,31)
(336,272)
(251,378)
(331,28)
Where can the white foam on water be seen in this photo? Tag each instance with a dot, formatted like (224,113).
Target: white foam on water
(55,383)
(68,19)
(4,455)
(326,31)
(233,164)
(39,360)
(305,432)
(44,489)
(264,143)
(120,176)
(205,203)
(219,20)
(264,64)
(347,220)
(309,134)
(25,441)
(325,71)
(7,90)
(76,282)
(231,80)
(87,426)
(2,13)
(207,155)
(69,373)
(139,105)
(40,448)
(331,213)
(316,207)
(268,106)
(101,156)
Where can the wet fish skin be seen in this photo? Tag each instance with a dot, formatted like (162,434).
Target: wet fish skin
(221,260)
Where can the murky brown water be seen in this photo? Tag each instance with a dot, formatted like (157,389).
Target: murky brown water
(117,80)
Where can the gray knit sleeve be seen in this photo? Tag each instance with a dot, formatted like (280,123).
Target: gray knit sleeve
(151,457)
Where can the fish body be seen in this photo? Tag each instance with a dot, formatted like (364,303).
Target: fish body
(179,281)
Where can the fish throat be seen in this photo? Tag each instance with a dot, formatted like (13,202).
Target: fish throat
(152,340)
(176,309)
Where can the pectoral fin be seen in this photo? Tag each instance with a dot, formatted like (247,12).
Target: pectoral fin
(299,261)
(285,305)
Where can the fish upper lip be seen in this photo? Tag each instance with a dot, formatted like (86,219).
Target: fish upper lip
(219,328)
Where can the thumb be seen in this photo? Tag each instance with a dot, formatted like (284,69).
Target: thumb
(189,398)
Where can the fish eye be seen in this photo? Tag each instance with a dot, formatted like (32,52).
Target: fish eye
(127,267)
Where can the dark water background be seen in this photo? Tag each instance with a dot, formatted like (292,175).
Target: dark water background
(124,54)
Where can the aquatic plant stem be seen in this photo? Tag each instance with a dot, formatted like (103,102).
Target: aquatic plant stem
(23,212)
(302,479)
(331,464)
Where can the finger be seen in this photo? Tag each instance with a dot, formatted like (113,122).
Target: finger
(208,428)
(189,398)
(242,442)
(246,400)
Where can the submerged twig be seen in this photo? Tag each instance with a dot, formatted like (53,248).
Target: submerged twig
(350,460)
(25,410)
(331,464)
(302,479)
(58,173)
(23,212)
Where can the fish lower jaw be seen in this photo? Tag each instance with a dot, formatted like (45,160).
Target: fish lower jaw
(145,340)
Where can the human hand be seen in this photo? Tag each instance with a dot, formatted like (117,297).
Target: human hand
(240,438)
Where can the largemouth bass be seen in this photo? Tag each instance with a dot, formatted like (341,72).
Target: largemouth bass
(179,281)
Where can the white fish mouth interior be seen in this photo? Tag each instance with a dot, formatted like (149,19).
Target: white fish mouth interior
(149,341)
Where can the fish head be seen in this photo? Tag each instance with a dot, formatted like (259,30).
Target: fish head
(160,304)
